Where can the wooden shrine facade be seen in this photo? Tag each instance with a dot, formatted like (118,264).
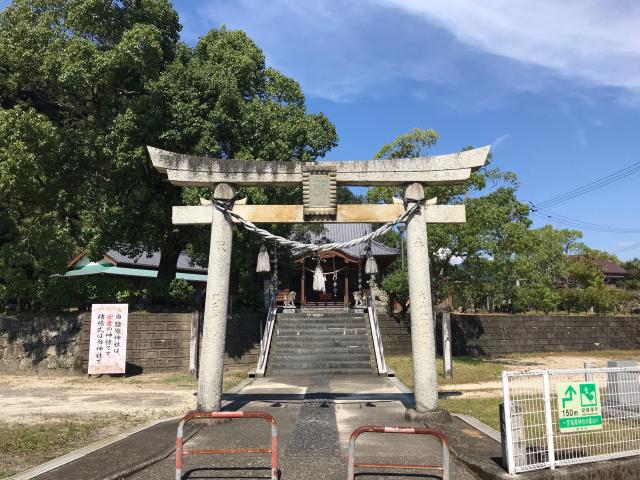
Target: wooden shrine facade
(344,268)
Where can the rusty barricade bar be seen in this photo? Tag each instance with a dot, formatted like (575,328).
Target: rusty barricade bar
(180,452)
(352,465)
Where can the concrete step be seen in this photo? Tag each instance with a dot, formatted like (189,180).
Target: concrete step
(319,321)
(336,347)
(321,365)
(320,342)
(322,321)
(300,363)
(321,334)
(327,349)
(311,320)
(328,344)
(321,371)
(319,356)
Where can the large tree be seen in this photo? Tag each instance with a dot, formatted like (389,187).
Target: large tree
(496,222)
(86,84)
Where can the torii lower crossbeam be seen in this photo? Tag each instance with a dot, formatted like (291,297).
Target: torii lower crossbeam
(203,214)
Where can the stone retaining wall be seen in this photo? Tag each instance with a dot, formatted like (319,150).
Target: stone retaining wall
(502,334)
(39,343)
(156,342)
(395,330)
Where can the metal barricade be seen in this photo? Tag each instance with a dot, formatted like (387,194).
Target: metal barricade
(352,465)
(180,452)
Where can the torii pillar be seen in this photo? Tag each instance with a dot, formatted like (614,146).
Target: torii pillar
(319,183)
(214,330)
(423,343)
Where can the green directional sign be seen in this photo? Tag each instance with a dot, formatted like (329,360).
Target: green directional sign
(579,407)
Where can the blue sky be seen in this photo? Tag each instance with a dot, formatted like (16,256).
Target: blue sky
(553,86)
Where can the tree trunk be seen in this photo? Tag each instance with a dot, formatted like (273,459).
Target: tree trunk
(169,253)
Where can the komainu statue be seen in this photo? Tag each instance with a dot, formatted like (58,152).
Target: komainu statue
(359,299)
(290,299)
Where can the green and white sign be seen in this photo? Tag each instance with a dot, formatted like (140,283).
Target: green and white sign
(579,407)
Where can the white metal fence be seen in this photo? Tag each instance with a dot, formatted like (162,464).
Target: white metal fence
(532,414)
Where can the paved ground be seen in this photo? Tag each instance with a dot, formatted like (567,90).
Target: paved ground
(315,419)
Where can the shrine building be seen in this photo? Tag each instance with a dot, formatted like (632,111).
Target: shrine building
(344,269)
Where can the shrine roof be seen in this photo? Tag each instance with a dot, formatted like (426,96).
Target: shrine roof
(152,259)
(145,260)
(343,232)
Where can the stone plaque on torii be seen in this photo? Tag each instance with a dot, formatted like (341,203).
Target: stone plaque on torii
(319,183)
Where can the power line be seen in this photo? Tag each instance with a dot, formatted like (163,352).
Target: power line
(573,222)
(596,184)
(550,214)
(628,248)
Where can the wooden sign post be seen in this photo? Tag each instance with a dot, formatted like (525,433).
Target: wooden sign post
(108,338)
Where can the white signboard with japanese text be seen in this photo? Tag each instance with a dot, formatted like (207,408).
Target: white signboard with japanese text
(108,340)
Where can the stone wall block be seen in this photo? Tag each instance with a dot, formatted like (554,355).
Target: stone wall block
(502,334)
(41,342)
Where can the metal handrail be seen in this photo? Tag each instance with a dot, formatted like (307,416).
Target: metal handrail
(376,335)
(265,341)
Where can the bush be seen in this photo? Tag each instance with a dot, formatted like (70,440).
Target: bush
(605,300)
(535,297)
(572,299)
(181,291)
(396,284)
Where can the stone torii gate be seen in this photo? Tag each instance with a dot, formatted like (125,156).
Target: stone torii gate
(319,182)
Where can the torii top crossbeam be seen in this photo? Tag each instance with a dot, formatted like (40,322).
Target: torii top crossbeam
(201,171)
(319,182)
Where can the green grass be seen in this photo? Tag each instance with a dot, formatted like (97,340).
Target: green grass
(465,369)
(234,377)
(484,409)
(181,380)
(23,446)
(472,370)
(231,379)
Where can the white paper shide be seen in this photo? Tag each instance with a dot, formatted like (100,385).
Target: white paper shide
(108,340)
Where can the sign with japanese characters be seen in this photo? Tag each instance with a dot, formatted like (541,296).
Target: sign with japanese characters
(579,407)
(108,340)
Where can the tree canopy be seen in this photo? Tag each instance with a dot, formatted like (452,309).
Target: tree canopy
(495,260)
(84,86)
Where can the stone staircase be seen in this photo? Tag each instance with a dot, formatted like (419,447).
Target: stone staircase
(321,342)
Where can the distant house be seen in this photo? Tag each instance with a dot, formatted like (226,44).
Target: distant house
(613,272)
(143,266)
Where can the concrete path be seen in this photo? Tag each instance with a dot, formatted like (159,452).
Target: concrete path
(315,417)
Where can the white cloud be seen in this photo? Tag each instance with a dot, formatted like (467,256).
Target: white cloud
(597,41)
(500,140)
(464,52)
(338,49)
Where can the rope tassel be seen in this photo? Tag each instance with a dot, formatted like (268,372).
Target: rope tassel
(263,264)
(371,267)
(318,279)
